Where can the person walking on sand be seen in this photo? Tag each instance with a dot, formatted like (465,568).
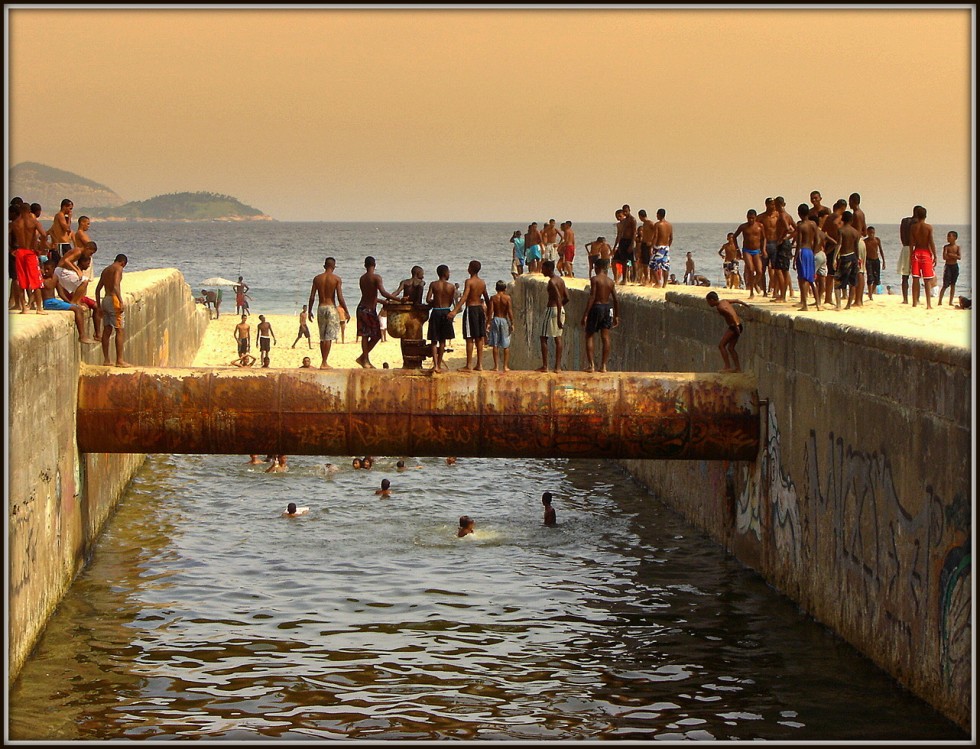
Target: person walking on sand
(328,289)
(440,298)
(473,298)
(601,314)
(113,308)
(304,328)
(554,315)
(730,339)
(264,338)
(368,322)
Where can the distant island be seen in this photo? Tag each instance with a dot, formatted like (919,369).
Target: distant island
(48,186)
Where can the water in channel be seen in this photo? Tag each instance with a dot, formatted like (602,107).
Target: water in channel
(206,615)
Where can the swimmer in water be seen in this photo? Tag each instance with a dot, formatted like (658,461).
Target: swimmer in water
(550,518)
(450,461)
(279,466)
(293,511)
(356,463)
(253,460)
(466,526)
(367,463)
(385,490)
(331,468)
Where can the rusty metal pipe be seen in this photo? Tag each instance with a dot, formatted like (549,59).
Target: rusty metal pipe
(418,413)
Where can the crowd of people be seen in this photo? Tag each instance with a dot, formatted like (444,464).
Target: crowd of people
(51,270)
(836,255)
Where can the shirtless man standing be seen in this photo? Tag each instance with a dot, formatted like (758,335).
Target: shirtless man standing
(263,335)
(532,248)
(647,233)
(550,236)
(474,297)
(329,288)
(554,316)
(860,223)
(60,231)
(923,261)
(440,297)
(601,314)
(847,258)
(777,232)
(625,239)
(81,238)
(806,240)
(243,336)
(412,289)
(905,256)
(831,228)
(752,248)
(731,256)
(663,238)
(113,308)
(23,234)
(787,245)
(368,323)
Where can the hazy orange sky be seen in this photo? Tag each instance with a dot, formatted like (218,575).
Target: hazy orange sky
(502,114)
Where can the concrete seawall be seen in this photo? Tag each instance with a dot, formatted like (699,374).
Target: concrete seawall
(59,500)
(859,505)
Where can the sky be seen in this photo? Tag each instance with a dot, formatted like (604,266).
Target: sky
(320,113)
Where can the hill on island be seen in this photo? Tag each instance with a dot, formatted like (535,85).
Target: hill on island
(38,183)
(186,206)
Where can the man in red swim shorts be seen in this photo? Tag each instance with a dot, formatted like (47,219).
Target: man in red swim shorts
(24,230)
(923,256)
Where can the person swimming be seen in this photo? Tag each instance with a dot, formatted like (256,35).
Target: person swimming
(356,463)
(550,517)
(292,510)
(466,526)
(385,490)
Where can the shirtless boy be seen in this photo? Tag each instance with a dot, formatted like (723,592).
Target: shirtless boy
(532,248)
(473,298)
(368,322)
(440,296)
(874,260)
(663,238)
(601,314)
(847,259)
(412,289)
(550,517)
(554,316)
(951,269)
(923,263)
(51,301)
(263,335)
(501,326)
(80,238)
(23,233)
(60,231)
(730,339)
(598,249)
(806,239)
(304,328)
(753,248)
(730,257)
(645,251)
(243,336)
(566,250)
(113,308)
(328,289)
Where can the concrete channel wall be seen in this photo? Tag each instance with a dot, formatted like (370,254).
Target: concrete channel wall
(859,505)
(58,501)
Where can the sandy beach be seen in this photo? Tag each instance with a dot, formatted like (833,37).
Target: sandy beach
(219,347)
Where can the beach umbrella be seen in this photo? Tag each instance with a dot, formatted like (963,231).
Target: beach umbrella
(218,281)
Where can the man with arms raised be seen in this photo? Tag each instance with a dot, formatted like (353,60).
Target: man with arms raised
(329,289)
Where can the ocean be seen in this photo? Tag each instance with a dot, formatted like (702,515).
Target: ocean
(204,614)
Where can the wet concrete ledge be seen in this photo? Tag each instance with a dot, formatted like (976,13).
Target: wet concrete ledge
(58,500)
(859,506)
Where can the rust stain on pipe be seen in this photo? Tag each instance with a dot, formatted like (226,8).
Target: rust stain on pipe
(413,412)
